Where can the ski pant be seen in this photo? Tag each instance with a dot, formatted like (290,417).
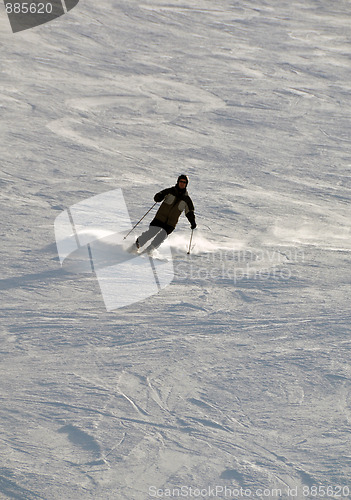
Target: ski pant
(157,232)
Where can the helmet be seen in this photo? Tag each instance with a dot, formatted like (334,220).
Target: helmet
(183,177)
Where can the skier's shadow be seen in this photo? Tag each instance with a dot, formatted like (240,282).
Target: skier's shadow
(87,259)
(98,254)
(30,279)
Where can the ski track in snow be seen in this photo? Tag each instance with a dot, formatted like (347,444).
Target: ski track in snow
(238,373)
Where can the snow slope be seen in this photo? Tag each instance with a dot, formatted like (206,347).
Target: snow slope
(238,373)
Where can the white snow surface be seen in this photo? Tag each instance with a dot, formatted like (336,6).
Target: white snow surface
(238,373)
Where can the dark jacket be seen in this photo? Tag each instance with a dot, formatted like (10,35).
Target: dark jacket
(175,201)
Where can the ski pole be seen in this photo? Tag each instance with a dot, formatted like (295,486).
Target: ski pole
(191,237)
(140,220)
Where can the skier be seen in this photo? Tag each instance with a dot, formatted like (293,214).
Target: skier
(175,201)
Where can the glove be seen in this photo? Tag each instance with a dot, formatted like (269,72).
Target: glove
(158,197)
(193,225)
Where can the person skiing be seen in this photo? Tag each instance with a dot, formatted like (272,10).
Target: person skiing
(175,200)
